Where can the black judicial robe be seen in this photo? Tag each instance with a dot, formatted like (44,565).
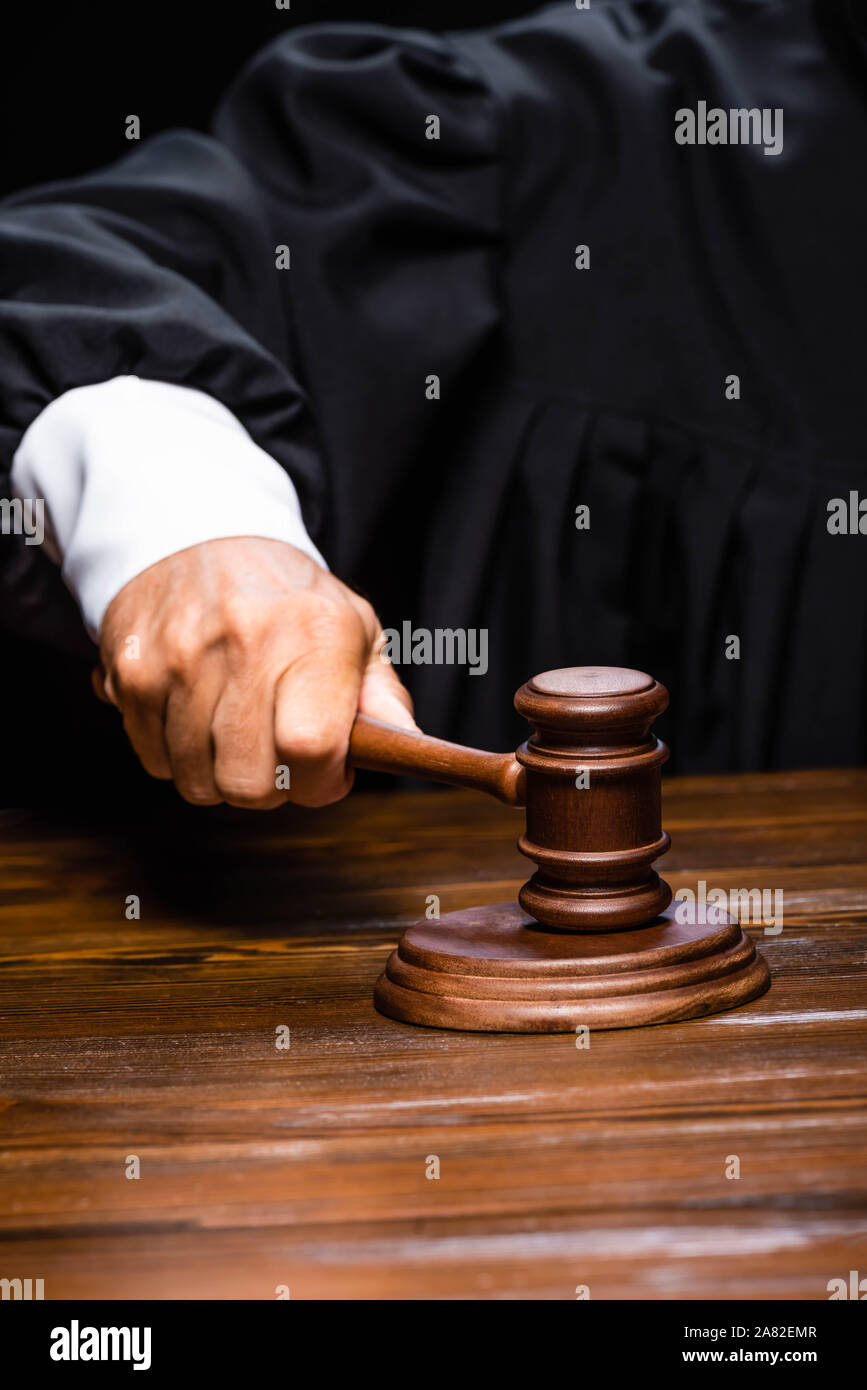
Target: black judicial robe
(559,386)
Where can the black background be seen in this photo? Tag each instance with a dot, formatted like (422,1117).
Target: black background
(73,72)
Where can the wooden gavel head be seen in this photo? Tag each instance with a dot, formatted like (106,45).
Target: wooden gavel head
(589,776)
(593,798)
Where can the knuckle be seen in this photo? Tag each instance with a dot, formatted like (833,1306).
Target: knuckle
(181,642)
(139,681)
(314,742)
(244,621)
(327,621)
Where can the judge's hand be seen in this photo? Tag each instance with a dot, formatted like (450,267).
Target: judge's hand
(236,658)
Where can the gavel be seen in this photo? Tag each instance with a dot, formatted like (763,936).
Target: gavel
(593,938)
(589,777)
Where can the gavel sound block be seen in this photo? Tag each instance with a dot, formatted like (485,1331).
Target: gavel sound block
(593,938)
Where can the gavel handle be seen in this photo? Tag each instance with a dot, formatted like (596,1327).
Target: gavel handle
(379,747)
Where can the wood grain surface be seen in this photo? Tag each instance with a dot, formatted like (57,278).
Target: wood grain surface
(306,1167)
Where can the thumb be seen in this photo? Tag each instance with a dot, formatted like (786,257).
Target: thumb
(383,694)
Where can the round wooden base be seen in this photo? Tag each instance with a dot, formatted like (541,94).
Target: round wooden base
(495,970)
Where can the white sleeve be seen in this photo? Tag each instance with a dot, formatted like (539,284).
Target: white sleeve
(131,471)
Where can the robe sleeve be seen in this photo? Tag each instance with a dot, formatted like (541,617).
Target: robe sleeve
(161,266)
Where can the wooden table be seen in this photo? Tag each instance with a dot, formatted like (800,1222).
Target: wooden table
(306,1167)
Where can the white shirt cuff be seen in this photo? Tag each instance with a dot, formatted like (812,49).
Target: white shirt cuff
(131,471)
